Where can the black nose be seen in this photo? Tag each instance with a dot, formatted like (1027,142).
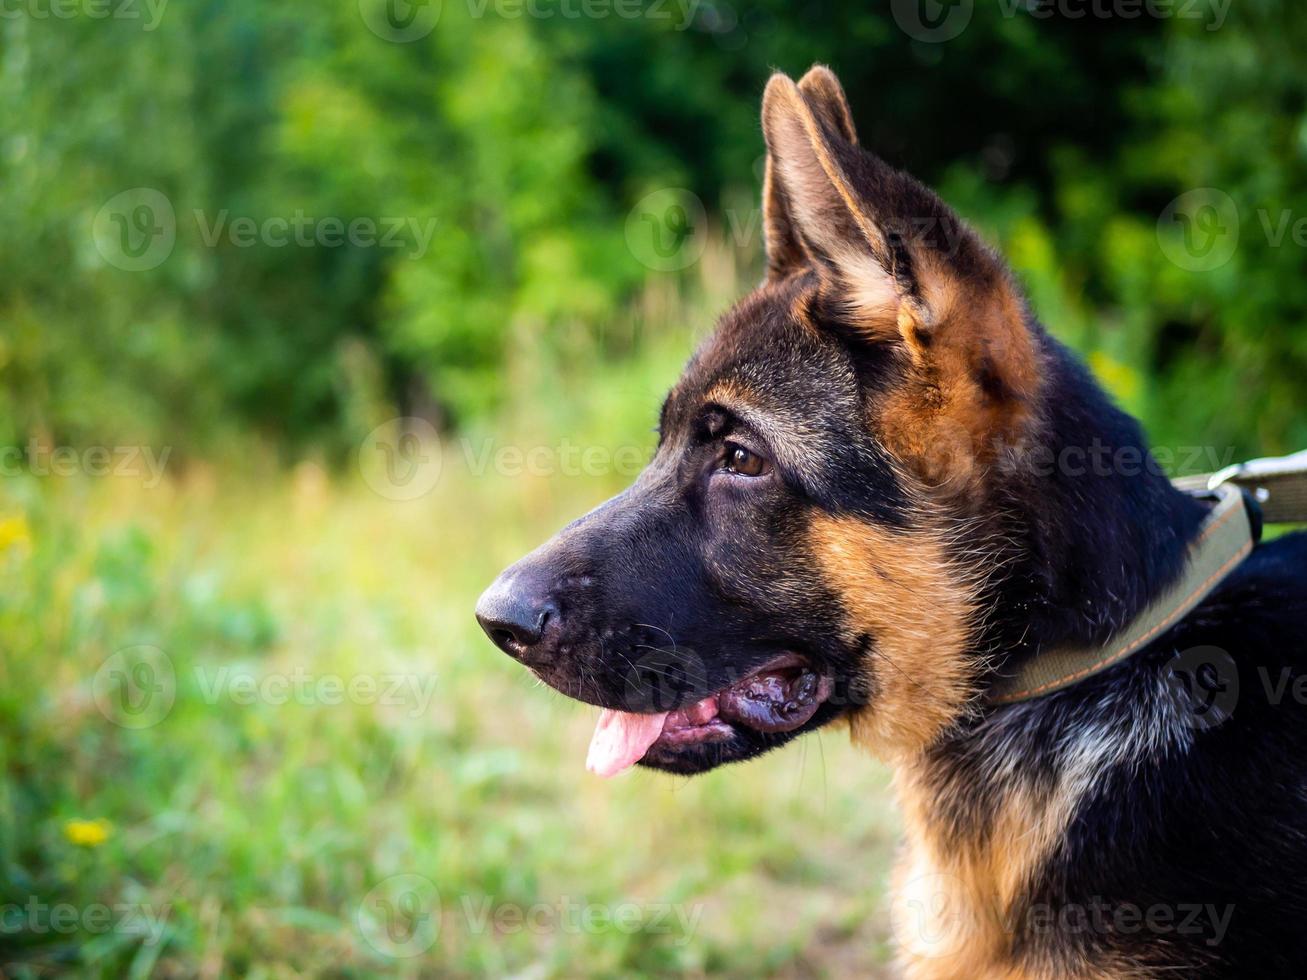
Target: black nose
(515,616)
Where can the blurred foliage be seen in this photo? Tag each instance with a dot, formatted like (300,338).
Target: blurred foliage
(232,817)
(511,150)
(520,142)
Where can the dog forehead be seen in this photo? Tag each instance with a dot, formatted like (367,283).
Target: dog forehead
(768,353)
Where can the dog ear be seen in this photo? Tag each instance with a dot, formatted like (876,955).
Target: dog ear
(786,253)
(814,171)
(825,96)
(894,262)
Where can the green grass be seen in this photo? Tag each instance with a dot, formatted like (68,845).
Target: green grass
(265,822)
(257,828)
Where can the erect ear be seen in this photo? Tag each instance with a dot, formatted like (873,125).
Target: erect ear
(786,253)
(825,96)
(813,172)
(897,265)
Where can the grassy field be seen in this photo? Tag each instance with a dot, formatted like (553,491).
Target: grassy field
(248,726)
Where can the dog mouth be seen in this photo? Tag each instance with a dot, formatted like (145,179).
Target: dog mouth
(779,697)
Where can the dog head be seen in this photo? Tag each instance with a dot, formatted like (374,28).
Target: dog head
(802,546)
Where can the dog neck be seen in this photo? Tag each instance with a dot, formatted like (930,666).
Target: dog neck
(986,813)
(1095,532)
(1095,528)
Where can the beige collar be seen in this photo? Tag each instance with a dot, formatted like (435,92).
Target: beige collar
(1225,539)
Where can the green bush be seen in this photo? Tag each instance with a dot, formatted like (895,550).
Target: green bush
(506,152)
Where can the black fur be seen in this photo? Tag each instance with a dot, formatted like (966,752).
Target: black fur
(1218,822)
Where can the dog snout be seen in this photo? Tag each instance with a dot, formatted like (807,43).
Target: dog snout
(519,616)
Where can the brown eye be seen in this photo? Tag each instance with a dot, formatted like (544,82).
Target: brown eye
(740,460)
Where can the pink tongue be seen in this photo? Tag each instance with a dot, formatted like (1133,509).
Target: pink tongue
(621,739)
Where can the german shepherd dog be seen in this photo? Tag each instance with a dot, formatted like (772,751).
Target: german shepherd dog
(842,522)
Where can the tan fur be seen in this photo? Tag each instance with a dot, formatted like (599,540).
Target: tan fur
(795,443)
(953,902)
(820,194)
(867,296)
(825,95)
(823,204)
(900,588)
(966,894)
(941,422)
(785,253)
(801,310)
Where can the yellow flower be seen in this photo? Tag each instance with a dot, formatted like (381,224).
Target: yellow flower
(87,833)
(14,532)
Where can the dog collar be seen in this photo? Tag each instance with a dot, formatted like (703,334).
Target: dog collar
(1225,538)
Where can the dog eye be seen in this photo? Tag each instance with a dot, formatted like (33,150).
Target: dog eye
(742,461)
